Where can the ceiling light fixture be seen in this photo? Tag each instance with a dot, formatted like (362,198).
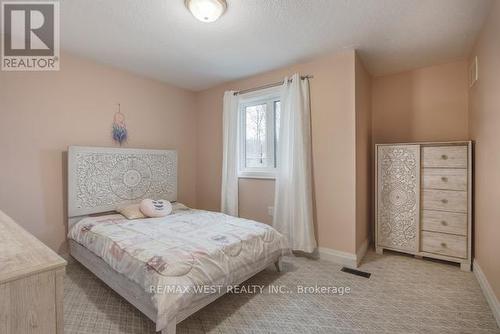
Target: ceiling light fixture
(206,10)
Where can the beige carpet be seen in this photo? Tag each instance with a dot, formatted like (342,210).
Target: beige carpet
(403,295)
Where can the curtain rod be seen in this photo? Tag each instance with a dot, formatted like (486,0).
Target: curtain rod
(275,84)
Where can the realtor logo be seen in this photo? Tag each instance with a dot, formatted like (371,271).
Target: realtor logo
(30,36)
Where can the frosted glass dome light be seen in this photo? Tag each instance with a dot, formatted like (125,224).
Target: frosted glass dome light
(206,10)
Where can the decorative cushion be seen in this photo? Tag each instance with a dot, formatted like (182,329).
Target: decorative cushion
(177,206)
(131,211)
(155,208)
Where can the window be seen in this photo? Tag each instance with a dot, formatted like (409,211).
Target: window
(258,136)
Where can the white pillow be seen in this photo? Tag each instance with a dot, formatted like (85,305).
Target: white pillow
(155,208)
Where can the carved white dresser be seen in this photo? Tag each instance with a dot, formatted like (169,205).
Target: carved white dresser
(423,200)
(31,283)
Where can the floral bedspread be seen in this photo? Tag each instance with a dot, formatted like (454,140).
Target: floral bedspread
(185,250)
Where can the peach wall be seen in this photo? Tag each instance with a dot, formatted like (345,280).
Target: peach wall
(363,154)
(427,104)
(333,136)
(484,118)
(41,113)
(255,197)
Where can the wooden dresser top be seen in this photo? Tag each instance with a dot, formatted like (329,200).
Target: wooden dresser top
(21,254)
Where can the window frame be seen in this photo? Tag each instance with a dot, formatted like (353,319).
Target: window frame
(268,97)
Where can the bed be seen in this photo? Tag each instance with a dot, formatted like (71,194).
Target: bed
(167,267)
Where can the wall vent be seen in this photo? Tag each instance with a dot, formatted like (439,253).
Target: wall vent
(355,272)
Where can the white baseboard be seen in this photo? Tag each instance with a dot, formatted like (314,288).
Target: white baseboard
(333,255)
(344,258)
(361,252)
(487,291)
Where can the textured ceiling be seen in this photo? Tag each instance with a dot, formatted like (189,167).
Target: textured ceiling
(160,38)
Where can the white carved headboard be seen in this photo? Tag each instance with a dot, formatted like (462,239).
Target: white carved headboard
(102,178)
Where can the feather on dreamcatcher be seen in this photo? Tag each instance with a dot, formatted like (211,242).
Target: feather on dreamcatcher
(119,127)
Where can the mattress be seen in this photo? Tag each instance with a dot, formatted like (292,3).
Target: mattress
(180,258)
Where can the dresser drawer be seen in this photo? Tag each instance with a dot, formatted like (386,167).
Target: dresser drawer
(448,179)
(446,222)
(447,200)
(444,244)
(444,156)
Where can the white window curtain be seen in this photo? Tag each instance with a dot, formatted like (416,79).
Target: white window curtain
(293,209)
(229,191)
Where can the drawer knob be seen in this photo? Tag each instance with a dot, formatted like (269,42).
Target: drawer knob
(444,201)
(444,179)
(444,157)
(443,244)
(444,223)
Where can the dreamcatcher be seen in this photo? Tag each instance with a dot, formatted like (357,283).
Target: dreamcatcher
(119,127)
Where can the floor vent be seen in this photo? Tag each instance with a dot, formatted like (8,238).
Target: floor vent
(355,272)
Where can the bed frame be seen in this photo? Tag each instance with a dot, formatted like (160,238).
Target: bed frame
(99,180)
